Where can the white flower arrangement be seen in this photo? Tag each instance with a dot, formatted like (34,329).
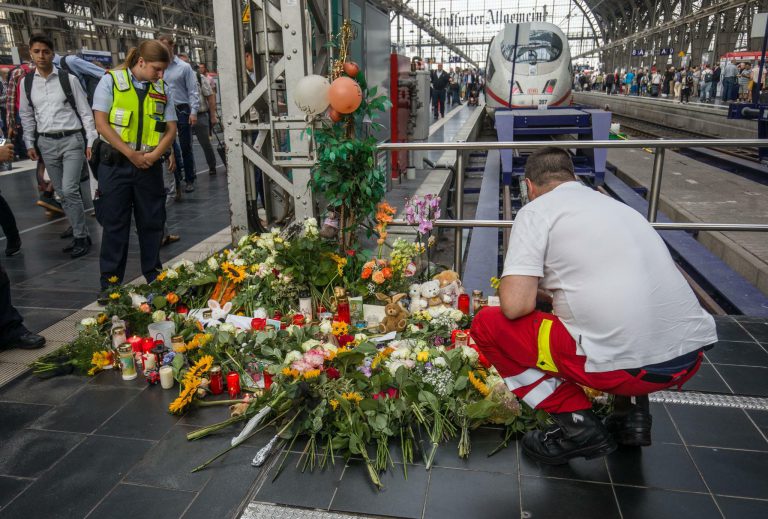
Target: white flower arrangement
(137,300)
(188,265)
(171,274)
(292,356)
(212,263)
(309,344)
(88,321)
(228,327)
(158,315)
(469,354)
(326,327)
(440,362)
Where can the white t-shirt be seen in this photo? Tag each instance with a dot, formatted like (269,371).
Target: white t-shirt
(615,286)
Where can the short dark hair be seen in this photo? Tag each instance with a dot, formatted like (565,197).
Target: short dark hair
(549,164)
(41,38)
(248,49)
(167,37)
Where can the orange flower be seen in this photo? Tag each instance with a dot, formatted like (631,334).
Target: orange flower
(384,212)
(366,273)
(387,272)
(378,277)
(172,298)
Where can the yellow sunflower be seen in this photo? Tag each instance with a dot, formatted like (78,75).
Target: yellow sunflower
(352,396)
(478,384)
(114,296)
(339,328)
(334,404)
(184,399)
(312,373)
(234,273)
(202,366)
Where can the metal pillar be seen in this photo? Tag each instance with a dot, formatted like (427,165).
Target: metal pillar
(254,142)
(653,195)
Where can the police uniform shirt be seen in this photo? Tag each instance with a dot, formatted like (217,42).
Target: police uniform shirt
(103,97)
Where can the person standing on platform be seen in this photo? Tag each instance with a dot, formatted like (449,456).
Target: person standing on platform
(182,81)
(136,116)
(7,220)
(439,84)
(206,119)
(13,334)
(687,86)
(656,80)
(609,83)
(730,86)
(630,329)
(705,88)
(716,75)
(59,129)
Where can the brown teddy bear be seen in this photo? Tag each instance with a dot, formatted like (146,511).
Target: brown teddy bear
(395,318)
(450,287)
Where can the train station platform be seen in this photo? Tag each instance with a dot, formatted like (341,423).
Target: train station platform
(706,119)
(692,191)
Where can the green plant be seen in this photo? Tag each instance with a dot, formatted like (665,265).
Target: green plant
(346,173)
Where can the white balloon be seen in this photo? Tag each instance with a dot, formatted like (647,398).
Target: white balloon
(311,94)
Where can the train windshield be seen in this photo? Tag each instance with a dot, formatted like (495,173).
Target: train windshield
(542,47)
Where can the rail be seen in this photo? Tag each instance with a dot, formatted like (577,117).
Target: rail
(658,145)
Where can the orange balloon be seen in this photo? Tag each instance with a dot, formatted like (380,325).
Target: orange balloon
(345,95)
(351,69)
(334,115)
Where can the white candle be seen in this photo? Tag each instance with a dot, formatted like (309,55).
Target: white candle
(166,377)
(150,362)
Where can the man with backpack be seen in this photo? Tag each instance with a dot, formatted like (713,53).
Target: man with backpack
(58,126)
(687,86)
(705,92)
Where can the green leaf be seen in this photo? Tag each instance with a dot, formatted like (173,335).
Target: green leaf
(480,410)
(159,302)
(430,399)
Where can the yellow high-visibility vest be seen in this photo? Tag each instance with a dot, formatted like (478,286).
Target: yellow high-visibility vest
(140,125)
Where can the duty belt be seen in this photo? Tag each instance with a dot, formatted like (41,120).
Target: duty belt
(132,145)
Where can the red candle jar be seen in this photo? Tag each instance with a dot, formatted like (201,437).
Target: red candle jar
(217,380)
(258,323)
(463,303)
(298,319)
(147,344)
(135,341)
(342,311)
(233,384)
(181,308)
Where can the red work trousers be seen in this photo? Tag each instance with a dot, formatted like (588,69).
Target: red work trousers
(512,347)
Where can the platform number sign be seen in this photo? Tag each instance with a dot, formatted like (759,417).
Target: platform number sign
(666,51)
(638,52)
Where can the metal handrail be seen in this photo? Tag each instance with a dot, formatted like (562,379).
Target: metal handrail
(659,146)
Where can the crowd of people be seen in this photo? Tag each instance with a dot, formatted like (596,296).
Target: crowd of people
(454,87)
(734,81)
(49,131)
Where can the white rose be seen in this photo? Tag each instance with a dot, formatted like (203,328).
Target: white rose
(440,362)
(184,263)
(309,344)
(456,315)
(212,263)
(171,274)
(292,357)
(88,321)
(413,328)
(360,337)
(326,327)
(469,354)
(158,315)
(401,353)
(228,327)
(243,240)
(239,262)
(260,312)
(137,300)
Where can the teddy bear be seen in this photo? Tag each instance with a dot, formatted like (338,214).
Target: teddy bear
(450,287)
(396,315)
(430,292)
(417,304)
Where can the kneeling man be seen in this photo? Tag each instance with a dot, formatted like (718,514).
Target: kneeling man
(625,320)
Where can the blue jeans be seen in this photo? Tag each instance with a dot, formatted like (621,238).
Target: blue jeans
(730,88)
(184,131)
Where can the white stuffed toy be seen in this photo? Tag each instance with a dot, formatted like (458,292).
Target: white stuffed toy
(417,303)
(430,292)
(219,312)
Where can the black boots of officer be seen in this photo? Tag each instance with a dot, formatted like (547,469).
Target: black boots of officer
(576,434)
(630,424)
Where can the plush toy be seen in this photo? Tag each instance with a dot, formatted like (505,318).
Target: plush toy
(450,287)
(395,318)
(219,312)
(417,303)
(430,291)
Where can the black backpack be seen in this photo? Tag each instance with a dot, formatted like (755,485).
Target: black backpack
(88,82)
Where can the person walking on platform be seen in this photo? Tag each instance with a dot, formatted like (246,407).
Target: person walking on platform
(439,84)
(136,117)
(630,329)
(705,89)
(716,75)
(58,128)
(13,334)
(7,220)
(206,119)
(687,86)
(182,81)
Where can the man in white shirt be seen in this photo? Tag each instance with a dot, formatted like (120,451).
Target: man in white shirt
(624,319)
(62,134)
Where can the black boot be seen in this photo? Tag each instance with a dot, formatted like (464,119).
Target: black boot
(631,426)
(574,435)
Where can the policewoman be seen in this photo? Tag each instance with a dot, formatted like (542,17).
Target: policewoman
(136,120)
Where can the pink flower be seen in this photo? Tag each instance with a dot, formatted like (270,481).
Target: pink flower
(314,358)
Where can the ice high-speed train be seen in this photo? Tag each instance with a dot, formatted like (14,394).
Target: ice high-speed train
(542,73)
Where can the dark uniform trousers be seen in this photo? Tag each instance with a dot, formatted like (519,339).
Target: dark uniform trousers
(126,189)
(10,319)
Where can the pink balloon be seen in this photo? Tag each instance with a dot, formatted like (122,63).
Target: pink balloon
(345,95)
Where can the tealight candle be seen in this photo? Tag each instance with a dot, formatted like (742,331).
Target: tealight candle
(135,342)
(166,377)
